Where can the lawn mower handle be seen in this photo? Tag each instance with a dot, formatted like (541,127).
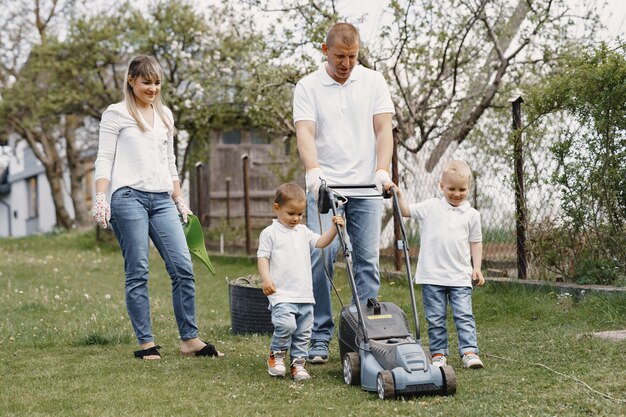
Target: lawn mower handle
(404,245)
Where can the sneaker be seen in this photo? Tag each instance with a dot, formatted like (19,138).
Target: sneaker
(276,363)
(471,360)
(440,360)
(318,351)
(298,373)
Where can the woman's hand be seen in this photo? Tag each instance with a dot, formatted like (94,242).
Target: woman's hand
(182,208)
(101,210)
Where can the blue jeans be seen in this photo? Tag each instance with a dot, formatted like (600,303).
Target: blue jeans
(435,299)
(363,222)
(135,216)
(292,328)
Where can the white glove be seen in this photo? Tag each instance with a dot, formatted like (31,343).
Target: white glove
(382,178)
(101,210)
(182,208)
(313,180)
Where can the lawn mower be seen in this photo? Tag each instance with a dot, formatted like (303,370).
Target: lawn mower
(376,346)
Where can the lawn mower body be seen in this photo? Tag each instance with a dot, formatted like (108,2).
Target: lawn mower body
(376,346)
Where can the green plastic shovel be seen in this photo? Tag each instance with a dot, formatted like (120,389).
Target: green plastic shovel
(195,241)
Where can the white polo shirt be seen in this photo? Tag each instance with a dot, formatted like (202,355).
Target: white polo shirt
(445,235)
(129,157)
(344,128)
(288,250)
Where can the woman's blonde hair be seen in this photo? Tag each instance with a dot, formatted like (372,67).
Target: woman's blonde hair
(148,68)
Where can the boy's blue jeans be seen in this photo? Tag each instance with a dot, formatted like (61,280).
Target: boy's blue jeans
(292,328)
(436,299)
(363,223)
(135,215)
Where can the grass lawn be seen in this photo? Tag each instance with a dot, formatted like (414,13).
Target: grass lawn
(66,348)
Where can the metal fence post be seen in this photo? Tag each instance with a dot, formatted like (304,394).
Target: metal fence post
(246,199)
(228,179)
(520,206)
(199,190)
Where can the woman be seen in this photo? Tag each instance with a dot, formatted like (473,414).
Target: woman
(137,166)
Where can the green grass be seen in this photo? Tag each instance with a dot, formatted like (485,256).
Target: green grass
(66,348)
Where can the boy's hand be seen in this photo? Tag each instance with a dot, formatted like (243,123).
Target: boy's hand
(477,278)
(338,220)
(268,287)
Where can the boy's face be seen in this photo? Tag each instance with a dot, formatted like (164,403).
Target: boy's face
(455,188)
(290,214)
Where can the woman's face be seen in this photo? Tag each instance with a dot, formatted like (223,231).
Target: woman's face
(145,90)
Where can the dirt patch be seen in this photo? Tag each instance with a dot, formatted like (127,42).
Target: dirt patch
(612,335)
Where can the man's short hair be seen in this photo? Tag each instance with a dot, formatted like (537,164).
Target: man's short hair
(344,33)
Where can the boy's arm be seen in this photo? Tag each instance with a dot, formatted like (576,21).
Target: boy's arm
(330,234)
(404,206)
(264,271)
(476,250)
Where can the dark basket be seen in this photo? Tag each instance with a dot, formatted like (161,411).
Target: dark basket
(248,309)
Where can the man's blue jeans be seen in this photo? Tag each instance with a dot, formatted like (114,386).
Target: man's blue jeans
(363,222)
(292,328)
(135,216)
(435,299)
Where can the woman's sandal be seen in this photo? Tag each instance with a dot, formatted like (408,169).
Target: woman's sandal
(151,351)
(208,350)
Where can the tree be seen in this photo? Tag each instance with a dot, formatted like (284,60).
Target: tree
(447,62)
(583,107)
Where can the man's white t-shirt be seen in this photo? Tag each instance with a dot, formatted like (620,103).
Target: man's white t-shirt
(288,250)
(344,128)
(445,235)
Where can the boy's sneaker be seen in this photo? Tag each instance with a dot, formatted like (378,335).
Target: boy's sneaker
(318,351)
(440,360)
(276,363)
(471,360)
(298,373)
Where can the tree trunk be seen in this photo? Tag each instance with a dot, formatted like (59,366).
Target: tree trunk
(484,87)
(77,172)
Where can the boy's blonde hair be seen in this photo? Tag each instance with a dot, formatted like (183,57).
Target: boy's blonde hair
(458,168)
(288,192)
(147,67)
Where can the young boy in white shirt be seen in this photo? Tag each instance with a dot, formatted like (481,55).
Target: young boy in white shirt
(284,263)
(449,261)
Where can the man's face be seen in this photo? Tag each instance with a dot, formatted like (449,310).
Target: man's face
(341,58)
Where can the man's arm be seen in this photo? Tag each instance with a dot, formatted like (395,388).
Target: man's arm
(384,140)
(305,136)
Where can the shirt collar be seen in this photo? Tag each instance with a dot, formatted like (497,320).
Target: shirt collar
(281,227)
(327,79)
(447,206)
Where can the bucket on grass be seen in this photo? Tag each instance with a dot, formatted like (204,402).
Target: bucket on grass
(249,311)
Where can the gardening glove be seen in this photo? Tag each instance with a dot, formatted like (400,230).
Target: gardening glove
(382,178)
(182,208)
(313,179)
(101,210)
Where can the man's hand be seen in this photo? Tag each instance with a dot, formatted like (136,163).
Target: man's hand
(101,210)
(313,179)
(182,208)
(382,178)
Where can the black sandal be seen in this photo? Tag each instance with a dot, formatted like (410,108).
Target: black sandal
(208,350)
(151,351)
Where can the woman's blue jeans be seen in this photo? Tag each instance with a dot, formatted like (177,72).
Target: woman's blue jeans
(135,216)
(435,299)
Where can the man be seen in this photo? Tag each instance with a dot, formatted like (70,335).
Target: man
(342,114)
